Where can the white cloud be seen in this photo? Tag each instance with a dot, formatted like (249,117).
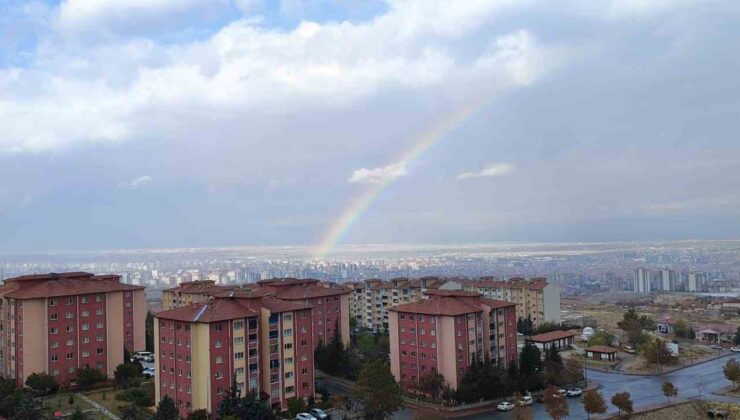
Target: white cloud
(137,182)
(378,175)
(124,89)
(490,170)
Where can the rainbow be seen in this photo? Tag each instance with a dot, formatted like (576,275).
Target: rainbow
(362,202)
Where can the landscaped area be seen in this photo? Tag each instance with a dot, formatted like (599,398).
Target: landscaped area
(61,403)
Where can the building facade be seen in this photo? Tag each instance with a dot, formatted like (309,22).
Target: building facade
(535,298)
(642,280)
(59,323)
(260,343)
(329,301)
(446,332)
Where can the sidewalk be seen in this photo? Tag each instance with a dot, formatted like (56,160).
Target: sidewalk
(100,408)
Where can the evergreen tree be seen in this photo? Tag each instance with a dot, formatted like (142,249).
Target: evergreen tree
(530,360)
(166,410)
(149,331)
(553,355)
(28,408)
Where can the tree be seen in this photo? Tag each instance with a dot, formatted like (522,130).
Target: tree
(732,371)
(134,412)
(530,360)
(572,372)
(601,338)
(736,337)
(633,325)
(28,408)
(593,403)
(432,384)
(681,328)
(295,406)
(77,415)
(87,377)
(692,334)
(377,391)
(521,412)
(199,415)
(556,405)
(669,390)
(553,355)
(149,331)
(623,402)
(547,327)
(249,407)
(127,375)
(166,410)
(699,386)
(656,351)
(42,383)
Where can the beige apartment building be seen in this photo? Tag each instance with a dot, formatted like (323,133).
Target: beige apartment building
(370,300)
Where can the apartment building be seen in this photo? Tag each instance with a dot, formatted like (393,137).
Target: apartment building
(330,301)
(260,343)
(446,332)
(371,299)
(58,323)
(535,298)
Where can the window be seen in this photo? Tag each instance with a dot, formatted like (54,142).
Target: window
(70,356)
(99,311)
(85,312)
(99,324)
(53,330)
(99,350)
(238,325)
(70,342)
(287,317)
(240,371)
(287,332)
(238,340)
(218,327)
(52,302)
(98,298)
(252,352)
(288,360)
(288,346)
(53,358)
(304,357)
(219,359)
(288,375)
(53,317)
(219,375)
(70,300)
(218,344)
(54,344)
(239,355)
(85,327)
(85,339)
(70,328)
(289,389)
(83,299)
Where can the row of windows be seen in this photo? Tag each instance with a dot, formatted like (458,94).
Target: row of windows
(412,342)
(421,355)
(71,300)
(422,331)
(421,318)
(70,342)
(71,315)
(70,356)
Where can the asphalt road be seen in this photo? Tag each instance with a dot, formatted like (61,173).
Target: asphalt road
(645,390)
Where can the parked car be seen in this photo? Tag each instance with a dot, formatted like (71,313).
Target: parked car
(716,346)
(630,350)
(319,414)
(305,416)
(526,400)
(575,392)
(148,372)
(142,355)
(562,392)
(735,349)
(505,406)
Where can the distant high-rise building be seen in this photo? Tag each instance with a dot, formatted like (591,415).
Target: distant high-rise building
(642,280)
(668,280)
(697,281)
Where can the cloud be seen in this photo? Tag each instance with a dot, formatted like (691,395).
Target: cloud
(490,170)
(378,175)
(137,182)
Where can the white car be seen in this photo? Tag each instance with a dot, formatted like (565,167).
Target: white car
(148,372)
(735,349)
(319,413)
(505,406)
(305,416)
(575,392)
(716,346)
(526,400)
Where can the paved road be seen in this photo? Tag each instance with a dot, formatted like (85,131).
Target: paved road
(645,390)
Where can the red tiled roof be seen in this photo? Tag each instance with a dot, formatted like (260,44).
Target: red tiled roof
(277,305)
(287,281)
(602,349)
(497,304)
(65,284)
(449,306)
(311,291)
(457,293)
(214,310)
(551,336)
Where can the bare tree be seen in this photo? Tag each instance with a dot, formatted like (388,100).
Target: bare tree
(699,386)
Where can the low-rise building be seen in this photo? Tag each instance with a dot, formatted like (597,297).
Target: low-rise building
(602,353)
(447,332)
(559,339)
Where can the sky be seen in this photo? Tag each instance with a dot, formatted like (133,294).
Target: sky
(196,123)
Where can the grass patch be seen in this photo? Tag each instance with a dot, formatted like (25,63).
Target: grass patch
(107,399)
(60,402)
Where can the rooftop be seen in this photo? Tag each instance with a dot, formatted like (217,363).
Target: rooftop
(551,336)
(40,286)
